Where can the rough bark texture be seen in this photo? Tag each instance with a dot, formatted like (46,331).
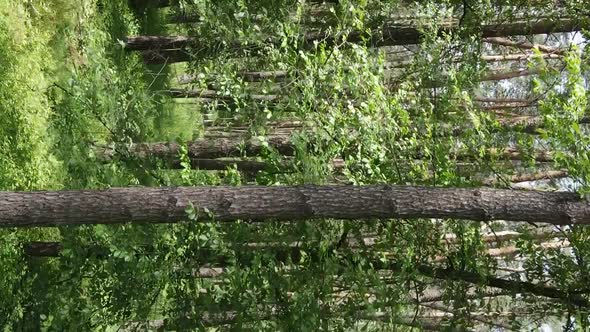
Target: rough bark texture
(205,148)
(168,204)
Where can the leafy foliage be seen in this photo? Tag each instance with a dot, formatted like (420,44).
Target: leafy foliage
(76,104)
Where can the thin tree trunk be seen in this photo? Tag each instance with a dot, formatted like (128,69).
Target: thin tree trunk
(182,93)
(152,3)
(519,178)
(512,251)
(515,154)
(53,249)
(476,317)
(246,76)
(502,100)
(157,205)
(487,58)
(506,106)
(156,57)
(505,75)
(181,18)
(281,75)
(141,43)
(517,57)
(220,147)
(437,295)
(524,45)
(531,124)
(515,286)
(206,148)
(388,36)
(43,249)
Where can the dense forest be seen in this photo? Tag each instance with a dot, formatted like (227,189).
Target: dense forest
(294,165)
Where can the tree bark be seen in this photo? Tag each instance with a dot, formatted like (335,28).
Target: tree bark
(248,166)
(206,148)
(43,249)
(151,3)
(138,43)
(158,205)
(282,76)
(487,320)
(504,75)
(517,57)
(388,36)
(524,45)
(220,147)
(213,94)
(157,57)
(515,286)
(247,76)
(526,177)
(53,249)
(530,124)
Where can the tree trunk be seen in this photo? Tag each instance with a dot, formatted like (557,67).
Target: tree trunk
(530,124)
(157,205)
(486,319)
(151,3)
(522,287)
(526,177)
(156,57)
(206,148)
(43,249)
(247,76)
(517,57)
(182,18)
(183,93)
(137,43)
(221,147)
(53,249)
(504,75)
(388,36)
(524,45)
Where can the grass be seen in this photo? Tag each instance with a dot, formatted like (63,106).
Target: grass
(66,85)
(25,162)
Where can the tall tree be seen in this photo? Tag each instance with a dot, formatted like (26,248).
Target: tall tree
(147,205)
